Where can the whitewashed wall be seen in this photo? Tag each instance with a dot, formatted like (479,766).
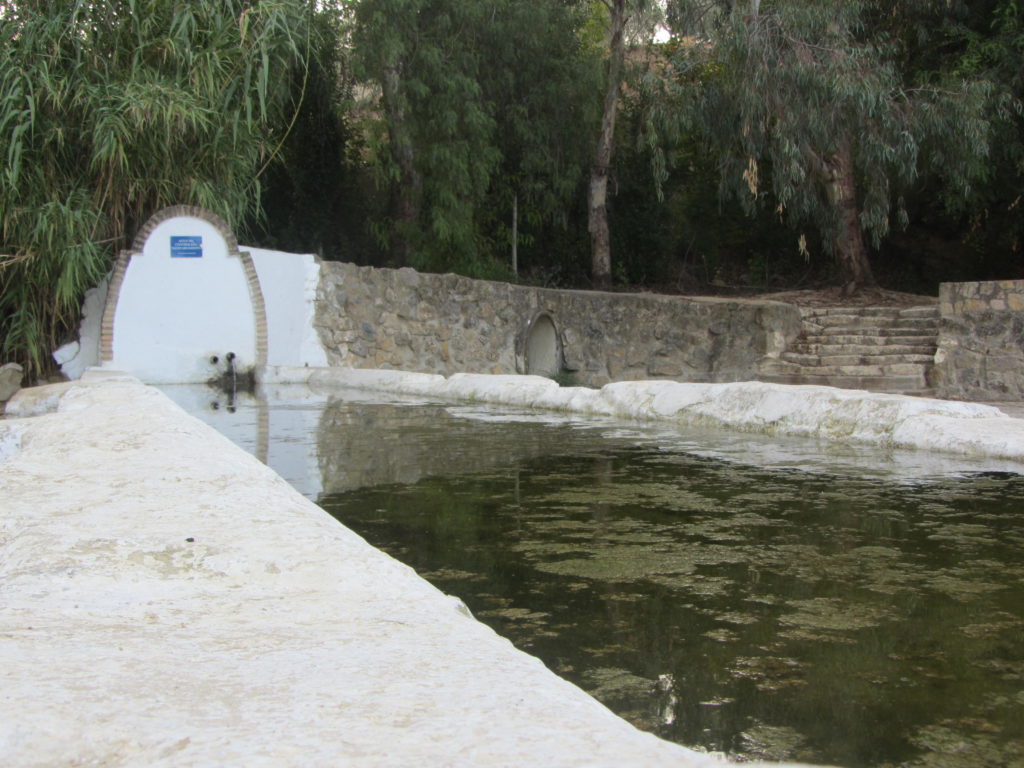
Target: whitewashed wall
(76,356)
(174,314)
(289,282)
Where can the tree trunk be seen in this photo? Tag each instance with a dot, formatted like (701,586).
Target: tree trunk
(852,254)
(515,235)
(600,240)
(406,192)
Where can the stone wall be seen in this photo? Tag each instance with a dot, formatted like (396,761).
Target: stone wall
(405,320)
(981,341)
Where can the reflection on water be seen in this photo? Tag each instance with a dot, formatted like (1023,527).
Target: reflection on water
(704,587)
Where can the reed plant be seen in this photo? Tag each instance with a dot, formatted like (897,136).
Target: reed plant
(113,109)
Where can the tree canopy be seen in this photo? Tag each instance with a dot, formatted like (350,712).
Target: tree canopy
(477,103)
(815,110)
(756,144)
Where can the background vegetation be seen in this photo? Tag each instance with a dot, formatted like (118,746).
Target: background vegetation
(757,145)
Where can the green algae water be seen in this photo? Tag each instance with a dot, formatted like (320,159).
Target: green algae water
(777,600)
(775,615)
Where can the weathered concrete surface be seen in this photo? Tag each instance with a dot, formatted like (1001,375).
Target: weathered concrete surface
(405,320)
(843,415)
(165,599)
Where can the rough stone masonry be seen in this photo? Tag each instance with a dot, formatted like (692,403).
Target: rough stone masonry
(981,341)
(405,320)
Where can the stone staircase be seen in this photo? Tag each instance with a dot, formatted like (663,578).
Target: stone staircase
(881,349)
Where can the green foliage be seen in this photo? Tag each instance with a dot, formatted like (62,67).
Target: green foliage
(421,123)
(686,238)
(778,93)
(317,199)
(110,110)
(480,103)
(994,214)
(540,81)
(434,147)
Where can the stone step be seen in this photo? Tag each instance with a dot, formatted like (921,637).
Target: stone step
(830,340)
(859,322)
(931,311)
(787,366)
(847,334)
(889,349)
(832,361)
(924,310)
(923,392)
(881,348)
(883,369)
(861,311)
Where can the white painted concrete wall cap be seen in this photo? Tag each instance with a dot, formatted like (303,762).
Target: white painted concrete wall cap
(840,415)
(506,389)
(74,360)
(369,378)
(575,399)
(11,431)
(36,401)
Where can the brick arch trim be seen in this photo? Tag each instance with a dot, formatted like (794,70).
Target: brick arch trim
(124,258)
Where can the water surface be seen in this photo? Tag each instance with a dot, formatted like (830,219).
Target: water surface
(760,598)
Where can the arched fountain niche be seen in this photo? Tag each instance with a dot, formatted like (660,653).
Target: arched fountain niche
(184,304)
(543,348)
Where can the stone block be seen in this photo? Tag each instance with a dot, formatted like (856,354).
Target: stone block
(1005,365)
(664,367)
(408,310)
(11,375)
(456,324)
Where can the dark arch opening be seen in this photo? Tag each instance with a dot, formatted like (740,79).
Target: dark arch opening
(543,351)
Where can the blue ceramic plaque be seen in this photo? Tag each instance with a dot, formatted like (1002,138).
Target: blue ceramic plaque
(186,247)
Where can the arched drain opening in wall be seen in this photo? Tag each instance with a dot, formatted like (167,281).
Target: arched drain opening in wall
(543,351)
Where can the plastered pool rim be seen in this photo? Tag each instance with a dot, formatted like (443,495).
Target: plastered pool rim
(169,600)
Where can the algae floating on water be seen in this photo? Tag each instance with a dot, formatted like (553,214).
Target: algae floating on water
(715,594)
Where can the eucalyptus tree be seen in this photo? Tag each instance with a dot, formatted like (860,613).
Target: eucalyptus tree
(112,109)
(810,111)
(473,108)
(315,199)
(432,136)
(642,15)
(539,79)
(996,50)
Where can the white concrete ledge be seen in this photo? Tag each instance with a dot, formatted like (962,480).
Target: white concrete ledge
(844,415)
(165,599)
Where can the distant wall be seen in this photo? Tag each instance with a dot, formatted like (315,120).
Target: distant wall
(981,341)
(405,320)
